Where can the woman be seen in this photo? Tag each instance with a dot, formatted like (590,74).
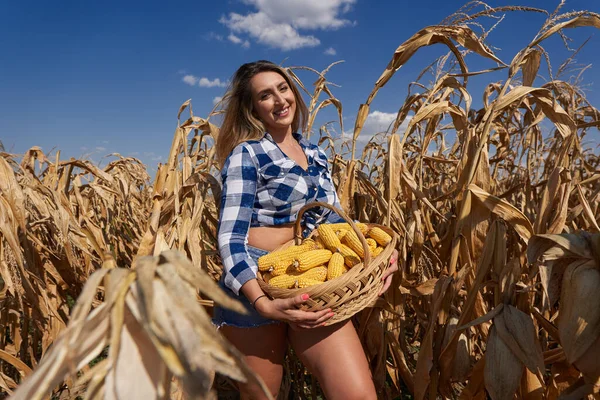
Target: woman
(269,172)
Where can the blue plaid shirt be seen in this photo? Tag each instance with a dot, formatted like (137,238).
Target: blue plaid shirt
(264,187)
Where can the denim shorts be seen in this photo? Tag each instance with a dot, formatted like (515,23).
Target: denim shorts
(223,316)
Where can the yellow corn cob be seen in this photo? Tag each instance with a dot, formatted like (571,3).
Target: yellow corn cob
(284,281)
(380,236)
(340,233)
(352,241)
(282,256)
(311,244)
(336,266)
(344,225)
(305,282)
(281,268)
(339,226)
(328,237)
(372,245)
(311,259)
(317,273)
(318,243)
(377,251)
(295,279)
(350,257)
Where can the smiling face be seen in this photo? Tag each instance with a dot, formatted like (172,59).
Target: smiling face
(273,102)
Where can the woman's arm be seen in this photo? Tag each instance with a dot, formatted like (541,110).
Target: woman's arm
(284,309)
(237,203)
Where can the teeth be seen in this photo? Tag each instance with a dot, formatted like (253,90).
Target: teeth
(281,111)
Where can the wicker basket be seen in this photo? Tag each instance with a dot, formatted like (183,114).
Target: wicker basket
(348,294)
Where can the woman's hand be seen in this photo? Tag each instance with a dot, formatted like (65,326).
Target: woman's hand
(285,310)
(388,274)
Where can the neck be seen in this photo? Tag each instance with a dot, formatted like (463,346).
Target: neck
(282,136)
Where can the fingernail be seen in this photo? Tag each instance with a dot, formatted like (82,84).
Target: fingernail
(305,296)
(331,314)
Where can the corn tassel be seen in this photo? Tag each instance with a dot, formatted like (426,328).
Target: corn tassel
(380,236)
(311,259)
(336,266)
(328,237)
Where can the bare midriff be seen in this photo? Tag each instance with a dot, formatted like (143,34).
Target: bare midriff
(270,237)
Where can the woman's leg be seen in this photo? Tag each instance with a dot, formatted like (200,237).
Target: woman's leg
(264,349)
(335,356)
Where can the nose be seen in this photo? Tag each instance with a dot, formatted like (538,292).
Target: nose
(279,99)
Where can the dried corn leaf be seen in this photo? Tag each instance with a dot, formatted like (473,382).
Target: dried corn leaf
(579,321)
(502,369)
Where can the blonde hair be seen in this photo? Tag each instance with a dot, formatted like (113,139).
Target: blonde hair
(239,123)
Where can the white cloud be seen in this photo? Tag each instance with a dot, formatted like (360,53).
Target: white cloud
(234,39)
(277,23)
(205,82)
(376,122)
(305,14)
(213,36)
(190,80)
(100,148)
(216,100)
(265,31)
(330,51)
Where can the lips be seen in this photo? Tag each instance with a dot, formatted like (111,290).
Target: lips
(283,112)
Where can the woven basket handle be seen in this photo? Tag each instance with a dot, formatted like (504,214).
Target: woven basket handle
(341,213)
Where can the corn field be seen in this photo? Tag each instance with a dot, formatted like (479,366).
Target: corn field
(108,280)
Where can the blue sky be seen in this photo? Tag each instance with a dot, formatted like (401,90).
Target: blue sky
(92,78)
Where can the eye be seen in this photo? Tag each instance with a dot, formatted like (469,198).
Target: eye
(265,96)
(283,88)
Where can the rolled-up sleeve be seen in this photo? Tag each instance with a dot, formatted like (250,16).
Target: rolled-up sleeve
(239,175)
